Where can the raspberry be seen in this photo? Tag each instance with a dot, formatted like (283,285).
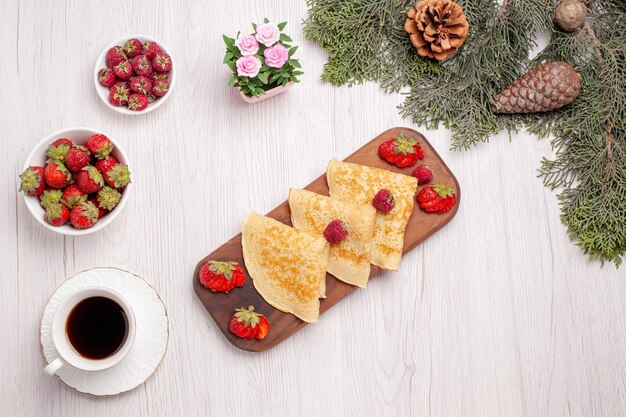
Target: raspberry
(106,77)
(335,232)
(383,201)
(423,174)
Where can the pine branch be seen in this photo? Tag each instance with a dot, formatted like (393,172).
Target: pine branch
(597,47)
(496,52)
(366,42)
(590,136)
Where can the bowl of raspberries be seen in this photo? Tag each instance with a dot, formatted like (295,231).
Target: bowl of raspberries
(134,75)
(76,181)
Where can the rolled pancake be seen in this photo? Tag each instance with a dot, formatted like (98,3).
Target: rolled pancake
(286,265)
(349,260)
(359,184)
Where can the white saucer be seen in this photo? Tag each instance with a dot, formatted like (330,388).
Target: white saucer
(150,340)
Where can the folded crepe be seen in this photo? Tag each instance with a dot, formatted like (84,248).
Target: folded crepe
(287,265)
(349,260)
(359,184)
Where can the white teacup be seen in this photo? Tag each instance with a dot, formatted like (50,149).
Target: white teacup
(68,355)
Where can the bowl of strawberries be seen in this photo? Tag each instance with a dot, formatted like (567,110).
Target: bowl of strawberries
(134,75)
(76,181)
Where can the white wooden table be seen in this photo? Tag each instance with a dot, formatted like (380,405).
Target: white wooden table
(498,314)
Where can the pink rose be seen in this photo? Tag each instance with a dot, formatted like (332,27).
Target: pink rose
(248,66)
(276,56)
(247,44)
(267,33)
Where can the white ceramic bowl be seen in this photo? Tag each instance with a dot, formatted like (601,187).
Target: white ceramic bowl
(103,92)
(38,157)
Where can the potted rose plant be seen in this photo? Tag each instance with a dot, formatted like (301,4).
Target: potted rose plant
(262,63)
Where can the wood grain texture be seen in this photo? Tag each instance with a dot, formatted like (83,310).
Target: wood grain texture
(498,314)
(421,225)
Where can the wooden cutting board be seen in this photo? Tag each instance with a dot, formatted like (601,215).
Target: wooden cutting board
(421,225)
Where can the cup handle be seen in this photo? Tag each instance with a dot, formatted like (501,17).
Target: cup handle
(53,366)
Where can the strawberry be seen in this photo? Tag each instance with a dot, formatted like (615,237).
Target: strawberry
(423,174)
(89,180)
(138,102)
(162,62)
(248,324)
(383,201)
(50,196)
(77,158)
(105,165)
(32,181)
(106,77)
(436,199)
(118,95)
(114,56)
(401,151)
(122,176)
(62,141)
(123,70)
(73,196)
(335,231)
(263,326)
(150,49)
(108,198)
(58,149)
(101,212)
(99,145)
(118,176)
(84,216)
(141,65)
(221,276)
(57,214)
(133,47)
(161,87)
(56,175)
(140,84)
(428,199)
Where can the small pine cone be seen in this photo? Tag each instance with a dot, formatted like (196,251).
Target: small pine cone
(544,88)
(437,28)
(570,15)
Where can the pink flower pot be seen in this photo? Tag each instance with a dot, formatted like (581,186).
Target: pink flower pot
(268,94)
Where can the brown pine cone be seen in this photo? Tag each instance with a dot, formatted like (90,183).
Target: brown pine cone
(437,28)
(544,88)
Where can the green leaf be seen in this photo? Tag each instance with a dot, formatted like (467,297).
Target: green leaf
(292,51)
(229,56)
(231,80)
(294,63)
(284,38)
(281,25)
(231,65)
(230,42)
(254,26)
(264,76)
(265,20)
